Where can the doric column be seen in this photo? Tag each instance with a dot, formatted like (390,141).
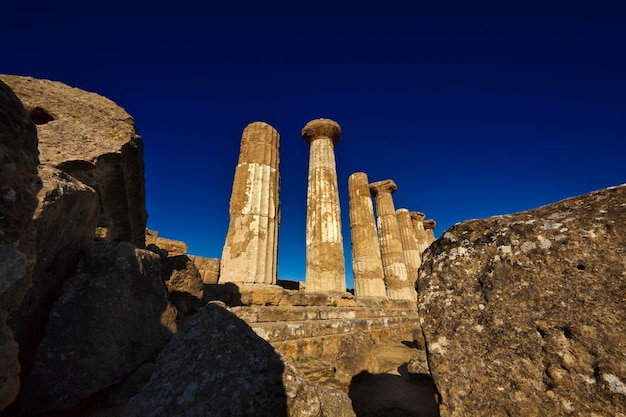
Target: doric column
(367,266)
(250,251)
(396,277)
(325,269)
(429,225)
(421,236)
(412,257)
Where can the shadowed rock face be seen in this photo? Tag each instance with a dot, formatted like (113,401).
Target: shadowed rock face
(19,184)
(526,314)
(94,140)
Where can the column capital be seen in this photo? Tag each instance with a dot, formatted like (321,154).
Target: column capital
(322,128)
(429,224)
(417,215)
(385,186)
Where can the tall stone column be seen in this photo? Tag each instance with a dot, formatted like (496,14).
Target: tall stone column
(325,269)
(397,282)
(429,225)
(417,219)
(250,251)
(367,266)
(412,257)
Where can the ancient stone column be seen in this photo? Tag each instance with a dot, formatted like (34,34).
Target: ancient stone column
(367,267)
(250,251)
(412,257)
(397,282)
(421,235)
(429,225)
(325,269)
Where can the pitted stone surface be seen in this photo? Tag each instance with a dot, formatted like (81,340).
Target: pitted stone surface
(397,281)
(412,256)
(325,268)
(531,308)
(251,247)
(367,265)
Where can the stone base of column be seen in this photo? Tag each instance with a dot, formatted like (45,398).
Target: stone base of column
(406,293)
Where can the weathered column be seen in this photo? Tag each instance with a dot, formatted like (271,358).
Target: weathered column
(250,251)
(325,269)
(397,281)
(429,225)
(412,257)
(367,267)
(421,236)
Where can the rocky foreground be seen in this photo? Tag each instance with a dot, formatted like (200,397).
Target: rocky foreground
(519,315)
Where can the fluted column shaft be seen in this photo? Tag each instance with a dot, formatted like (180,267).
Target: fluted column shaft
(417,219)
(325,263)
(367,267)
(250,252)
(397,281)
(412,257)
(429,225)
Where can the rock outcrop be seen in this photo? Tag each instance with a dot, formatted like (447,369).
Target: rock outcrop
(19,184)
(95,141)
(113,315)
(215,365)
(525,314)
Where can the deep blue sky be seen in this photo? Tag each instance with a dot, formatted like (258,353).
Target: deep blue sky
(474,112)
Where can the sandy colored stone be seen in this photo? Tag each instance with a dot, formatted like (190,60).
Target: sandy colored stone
(531,308)
(412,256)
(209,268)
(95,141)
(325,262)
(417,219)
(184,284)
(171,246)
(250,253)
(397,281)
(429,226)
(367,266)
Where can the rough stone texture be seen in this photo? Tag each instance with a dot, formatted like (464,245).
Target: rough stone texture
(94,140)
(65,221)
(412,256)
(525,314)
(429,226)
(113,315)
(250,252)
(418,365)
(325,263)
(367,266)
(172,247)
(417,219)
(397,281)
(215,365)
(19,184)
(184,284)
(209,268)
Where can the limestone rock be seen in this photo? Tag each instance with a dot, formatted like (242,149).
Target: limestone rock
(184,283)
(19,184)
(418,365)
(216,365)
(525,314)
(172,247)
(113,315)
(209,268)
(94,140)
(65,221)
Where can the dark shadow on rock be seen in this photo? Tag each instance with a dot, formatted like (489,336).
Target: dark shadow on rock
(411,345)
(388,395)
(228,293)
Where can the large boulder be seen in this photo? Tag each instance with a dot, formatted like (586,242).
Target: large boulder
(525,314)
(65,222)
(113,316)
(184,284)
(19,184)
(94,140)
(217,366)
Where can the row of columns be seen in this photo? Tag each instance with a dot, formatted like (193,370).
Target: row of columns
(385,259)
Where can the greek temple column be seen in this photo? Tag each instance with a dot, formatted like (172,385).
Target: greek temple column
(429,225)
(397,283)
(412,257)
(367,266)
(250,251)
(325,269)
(417,219)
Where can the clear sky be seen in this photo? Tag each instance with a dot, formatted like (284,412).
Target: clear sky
(473,112)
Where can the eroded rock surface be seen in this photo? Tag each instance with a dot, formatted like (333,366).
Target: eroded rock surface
(19,184)
(216,365)
(113,315)
(94,140)
(184,283)
(525,315)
